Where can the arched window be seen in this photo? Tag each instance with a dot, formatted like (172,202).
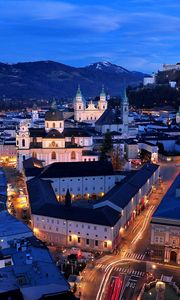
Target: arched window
(53,155)
(23,142)
(54,125)
(60,125)
(34,154)
(73,155)
(47,125)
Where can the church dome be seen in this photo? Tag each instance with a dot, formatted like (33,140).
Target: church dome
(54,114)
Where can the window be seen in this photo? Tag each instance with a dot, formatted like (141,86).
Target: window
(34,154)
(79,107)
(53,155)
(23,142)
(105,244)
(56,229)
(54,125)
(57,221)
(52,221)
(47,125)
(105,229)
(94,227)
(79,239)
(89,226)
(76,225)
(70,238)
(82,225)
(87,241)
(73,155)
(96,243)
(60,125)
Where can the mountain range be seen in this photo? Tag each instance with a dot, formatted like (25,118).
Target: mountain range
(47,79)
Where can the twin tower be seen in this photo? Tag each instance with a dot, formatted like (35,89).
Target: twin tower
(91,112)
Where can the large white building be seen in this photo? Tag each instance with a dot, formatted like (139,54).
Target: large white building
(89,180)
(54,142)
(90,113)
(71,225)
(165,226)
(84,225)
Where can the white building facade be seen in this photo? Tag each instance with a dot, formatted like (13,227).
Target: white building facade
(89,113)
(53,143)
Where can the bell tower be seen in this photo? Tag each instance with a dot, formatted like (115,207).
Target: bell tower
(102,103)
(78,106)
(125,111)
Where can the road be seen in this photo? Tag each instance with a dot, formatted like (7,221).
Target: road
(131,262)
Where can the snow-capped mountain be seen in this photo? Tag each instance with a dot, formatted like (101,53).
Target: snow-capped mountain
(47,79)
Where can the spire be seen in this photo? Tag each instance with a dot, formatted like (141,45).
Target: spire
(34,106)
(78,91)
(103,94)
(54,105)
(68,199)
(124,96)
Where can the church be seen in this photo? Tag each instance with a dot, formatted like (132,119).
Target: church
(53,142)
(89,113)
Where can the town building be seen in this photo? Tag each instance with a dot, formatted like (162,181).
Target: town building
(71,224)
(165,226)
(94,226)
(89,180)
(54,142)
(11,229)
(90,112)
(178,116)
(115,119)
(130,196)
(28,272)
(149,80)
(169,67)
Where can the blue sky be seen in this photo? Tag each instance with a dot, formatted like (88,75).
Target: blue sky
(137,34)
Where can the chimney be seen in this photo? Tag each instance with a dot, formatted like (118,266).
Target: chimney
(68,199)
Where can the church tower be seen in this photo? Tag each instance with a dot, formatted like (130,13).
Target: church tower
(35,115)
(125,111)
(78,106)
(54,119)
(102,103)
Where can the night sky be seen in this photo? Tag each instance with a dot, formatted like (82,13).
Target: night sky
(137,34)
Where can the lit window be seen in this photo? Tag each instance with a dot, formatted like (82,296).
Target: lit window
(53,155)
(73,155)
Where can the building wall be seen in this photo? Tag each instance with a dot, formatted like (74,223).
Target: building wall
(66,233)
(132,151)
(165,239)
(89,185)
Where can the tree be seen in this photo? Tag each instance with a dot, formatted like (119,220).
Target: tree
(107,146)
(116,159)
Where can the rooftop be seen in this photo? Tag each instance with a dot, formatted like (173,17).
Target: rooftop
(77,169)
(32,270)
(122,193)
(169,208)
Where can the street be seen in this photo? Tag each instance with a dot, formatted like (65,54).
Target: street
(132,261)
